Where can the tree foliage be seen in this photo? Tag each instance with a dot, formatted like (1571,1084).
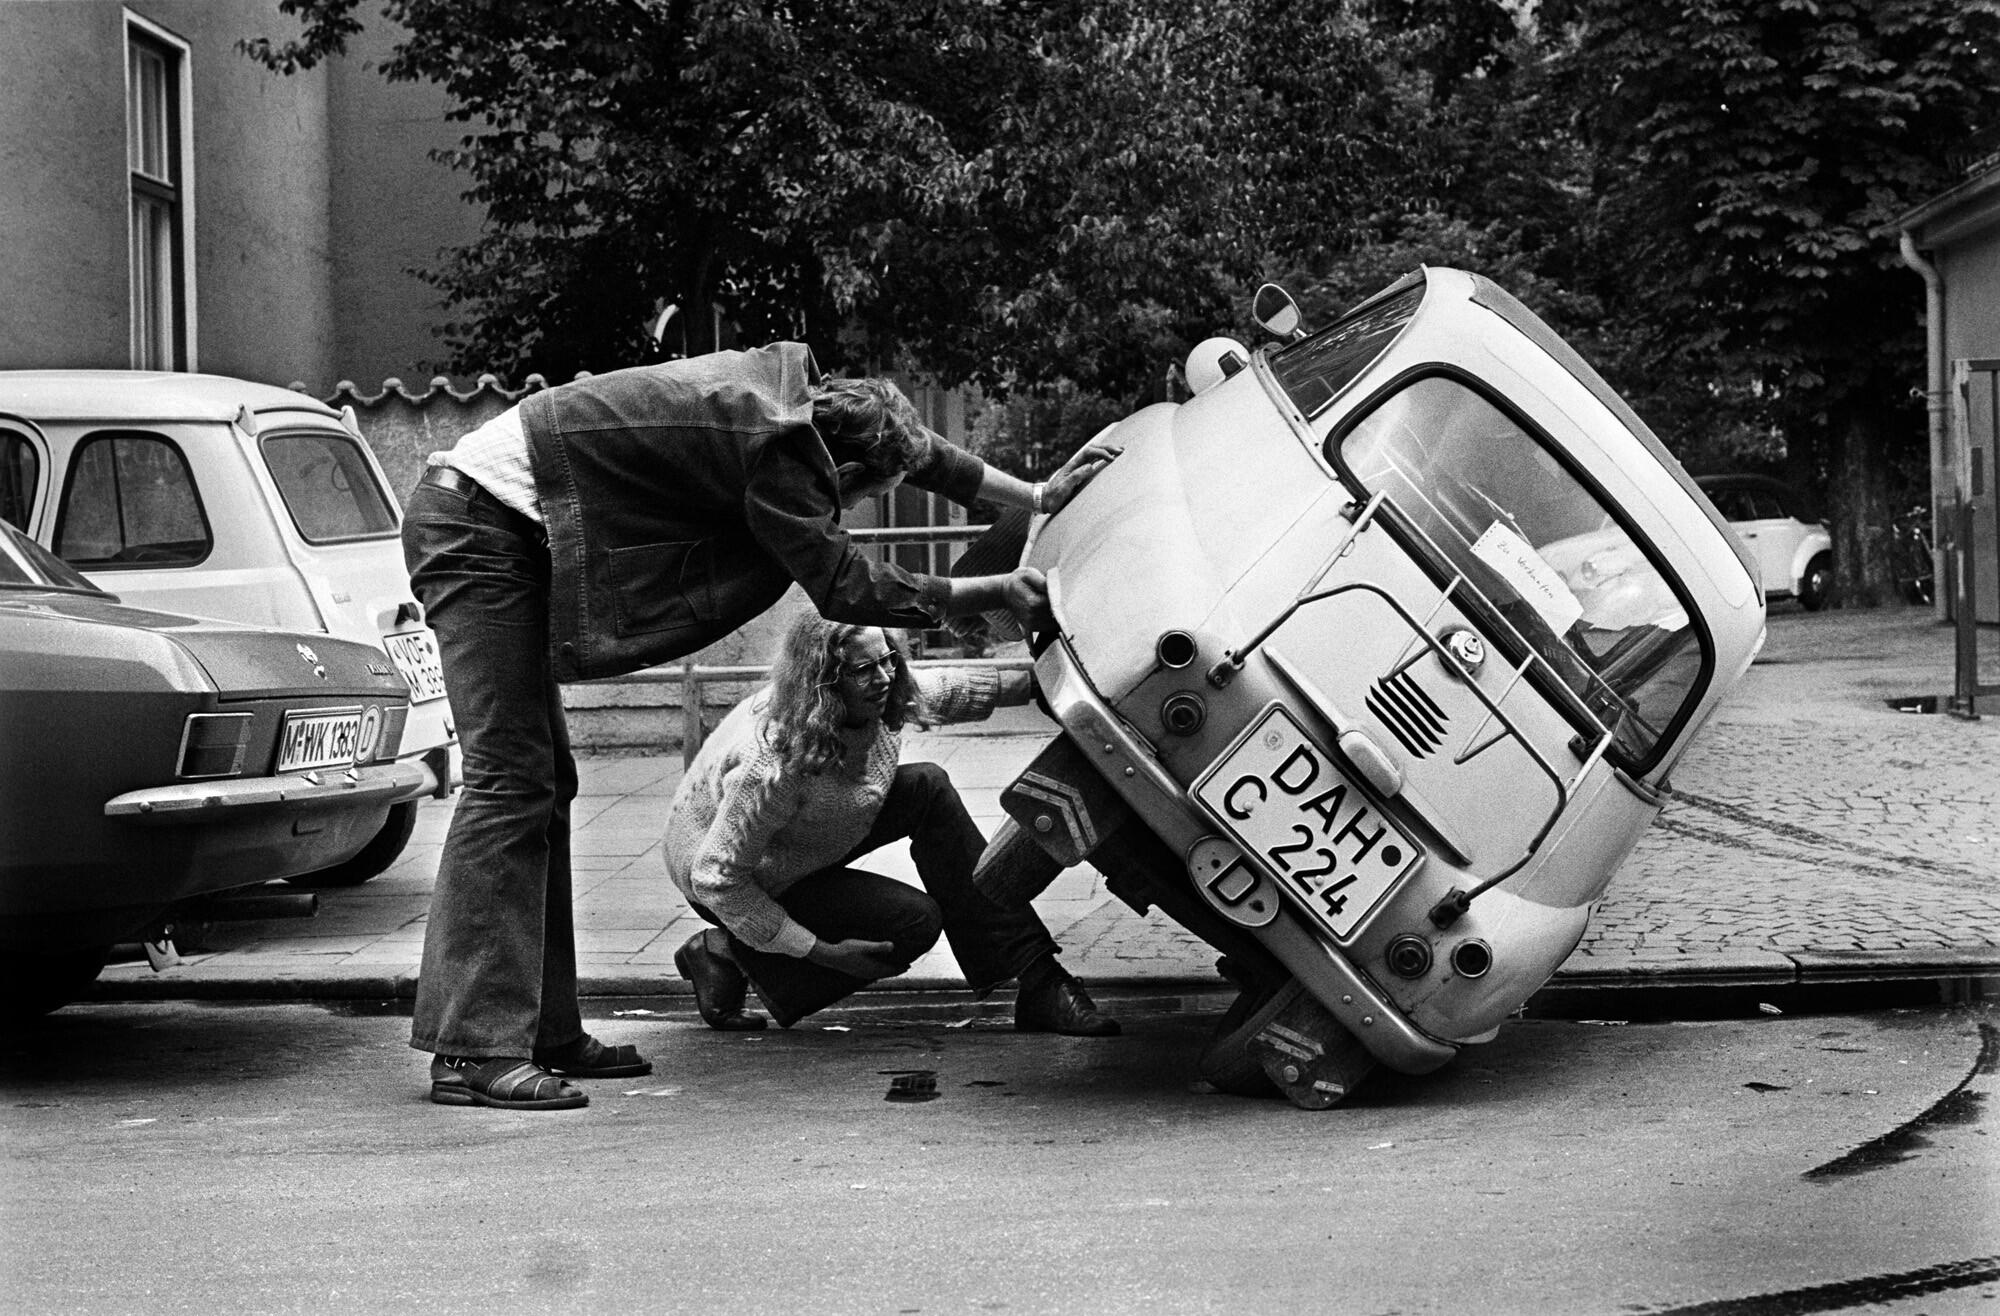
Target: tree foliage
(1000,191)
(1060,198)
(1746,155)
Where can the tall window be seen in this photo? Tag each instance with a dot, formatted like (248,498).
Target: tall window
(154,73)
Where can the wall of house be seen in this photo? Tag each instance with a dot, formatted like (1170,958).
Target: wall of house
(1971,270)
(312,197)
(63,262)
(392,209)
(257,192)
(1964,244)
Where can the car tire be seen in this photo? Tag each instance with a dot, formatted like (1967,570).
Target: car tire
(38,983)
(373,858)
(1227,1064)
(1814,585)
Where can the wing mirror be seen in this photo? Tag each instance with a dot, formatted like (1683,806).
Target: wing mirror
(1274,309)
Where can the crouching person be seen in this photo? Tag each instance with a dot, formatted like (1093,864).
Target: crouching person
(798,783)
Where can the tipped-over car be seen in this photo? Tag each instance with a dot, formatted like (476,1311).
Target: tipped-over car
(152,762)
(1372,659)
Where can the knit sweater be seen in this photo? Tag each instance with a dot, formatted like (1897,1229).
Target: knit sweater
(743,827)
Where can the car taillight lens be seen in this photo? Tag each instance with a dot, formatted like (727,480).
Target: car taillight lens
(213,744)
(393,720)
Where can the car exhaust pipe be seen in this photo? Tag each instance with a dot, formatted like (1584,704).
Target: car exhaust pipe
(237,906)
(1409,956)
(1183,713)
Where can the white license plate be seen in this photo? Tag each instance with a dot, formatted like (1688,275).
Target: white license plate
(319,739)
(1297,812)
(415,654)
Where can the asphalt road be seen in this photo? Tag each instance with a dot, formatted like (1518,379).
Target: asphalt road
(208,1157)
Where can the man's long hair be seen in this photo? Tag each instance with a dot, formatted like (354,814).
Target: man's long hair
(870,421)
(803,720)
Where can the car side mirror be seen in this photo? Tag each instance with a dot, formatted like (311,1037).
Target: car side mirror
(1274,309)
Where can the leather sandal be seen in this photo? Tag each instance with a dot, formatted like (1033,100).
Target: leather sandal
(1061,1005)
(587,1057)
(503,1082)
(720,987)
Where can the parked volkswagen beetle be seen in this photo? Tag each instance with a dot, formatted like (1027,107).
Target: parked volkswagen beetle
(1788,542)
(220,497)
(1372,660)
(148,760)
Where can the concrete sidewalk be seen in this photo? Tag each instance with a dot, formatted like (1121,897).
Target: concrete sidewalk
(1816,836)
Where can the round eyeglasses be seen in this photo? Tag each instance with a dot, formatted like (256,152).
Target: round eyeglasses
(886,665)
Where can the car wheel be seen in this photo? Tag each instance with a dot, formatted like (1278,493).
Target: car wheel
(1227,1064)
(35,984)
(373,858)
(1814,584)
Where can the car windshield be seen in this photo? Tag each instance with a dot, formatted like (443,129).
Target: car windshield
(328,487)
(1500,510)
(24,563)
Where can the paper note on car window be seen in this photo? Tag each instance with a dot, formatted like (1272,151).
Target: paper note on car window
(1532,578)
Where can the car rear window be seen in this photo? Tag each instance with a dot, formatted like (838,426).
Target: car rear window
(131,501)
(1496,507)
(328,487)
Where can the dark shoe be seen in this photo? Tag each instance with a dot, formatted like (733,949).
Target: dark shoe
(1061,1006)
(719,986)
(504,1082)
(587,1057)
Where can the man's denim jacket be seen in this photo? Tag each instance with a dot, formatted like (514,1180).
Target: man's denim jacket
(681,500)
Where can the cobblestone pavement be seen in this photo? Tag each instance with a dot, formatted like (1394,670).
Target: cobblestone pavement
(1815,833)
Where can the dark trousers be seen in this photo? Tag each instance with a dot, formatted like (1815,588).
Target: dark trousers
(499,966)
(991,944)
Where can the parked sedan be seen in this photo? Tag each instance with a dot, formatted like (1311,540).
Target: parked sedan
(148,760)
(1792,549)
(220,497)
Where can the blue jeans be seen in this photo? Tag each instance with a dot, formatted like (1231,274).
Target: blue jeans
(499,966)
(991,944)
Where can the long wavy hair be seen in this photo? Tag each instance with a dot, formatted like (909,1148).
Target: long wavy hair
(802,722)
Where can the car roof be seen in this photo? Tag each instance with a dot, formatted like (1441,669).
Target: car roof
(140,395)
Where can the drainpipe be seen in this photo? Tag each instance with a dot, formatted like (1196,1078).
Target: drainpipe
(1934,386)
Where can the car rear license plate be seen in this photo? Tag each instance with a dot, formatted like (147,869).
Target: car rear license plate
(415,654)
(319,739)
(1297,812)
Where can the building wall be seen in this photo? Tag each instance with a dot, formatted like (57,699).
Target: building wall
(1971,270)
(257,191)
(261,239)
(1963,242)
(63,260)
(1971,273)
(393,209)
(311,195)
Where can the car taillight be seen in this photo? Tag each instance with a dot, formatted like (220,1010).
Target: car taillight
(213,744)
(393,719)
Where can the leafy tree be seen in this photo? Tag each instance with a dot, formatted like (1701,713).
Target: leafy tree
(999,191)
(1746,153)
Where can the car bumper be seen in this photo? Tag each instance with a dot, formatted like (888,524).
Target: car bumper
(200,801)
(1133,771)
